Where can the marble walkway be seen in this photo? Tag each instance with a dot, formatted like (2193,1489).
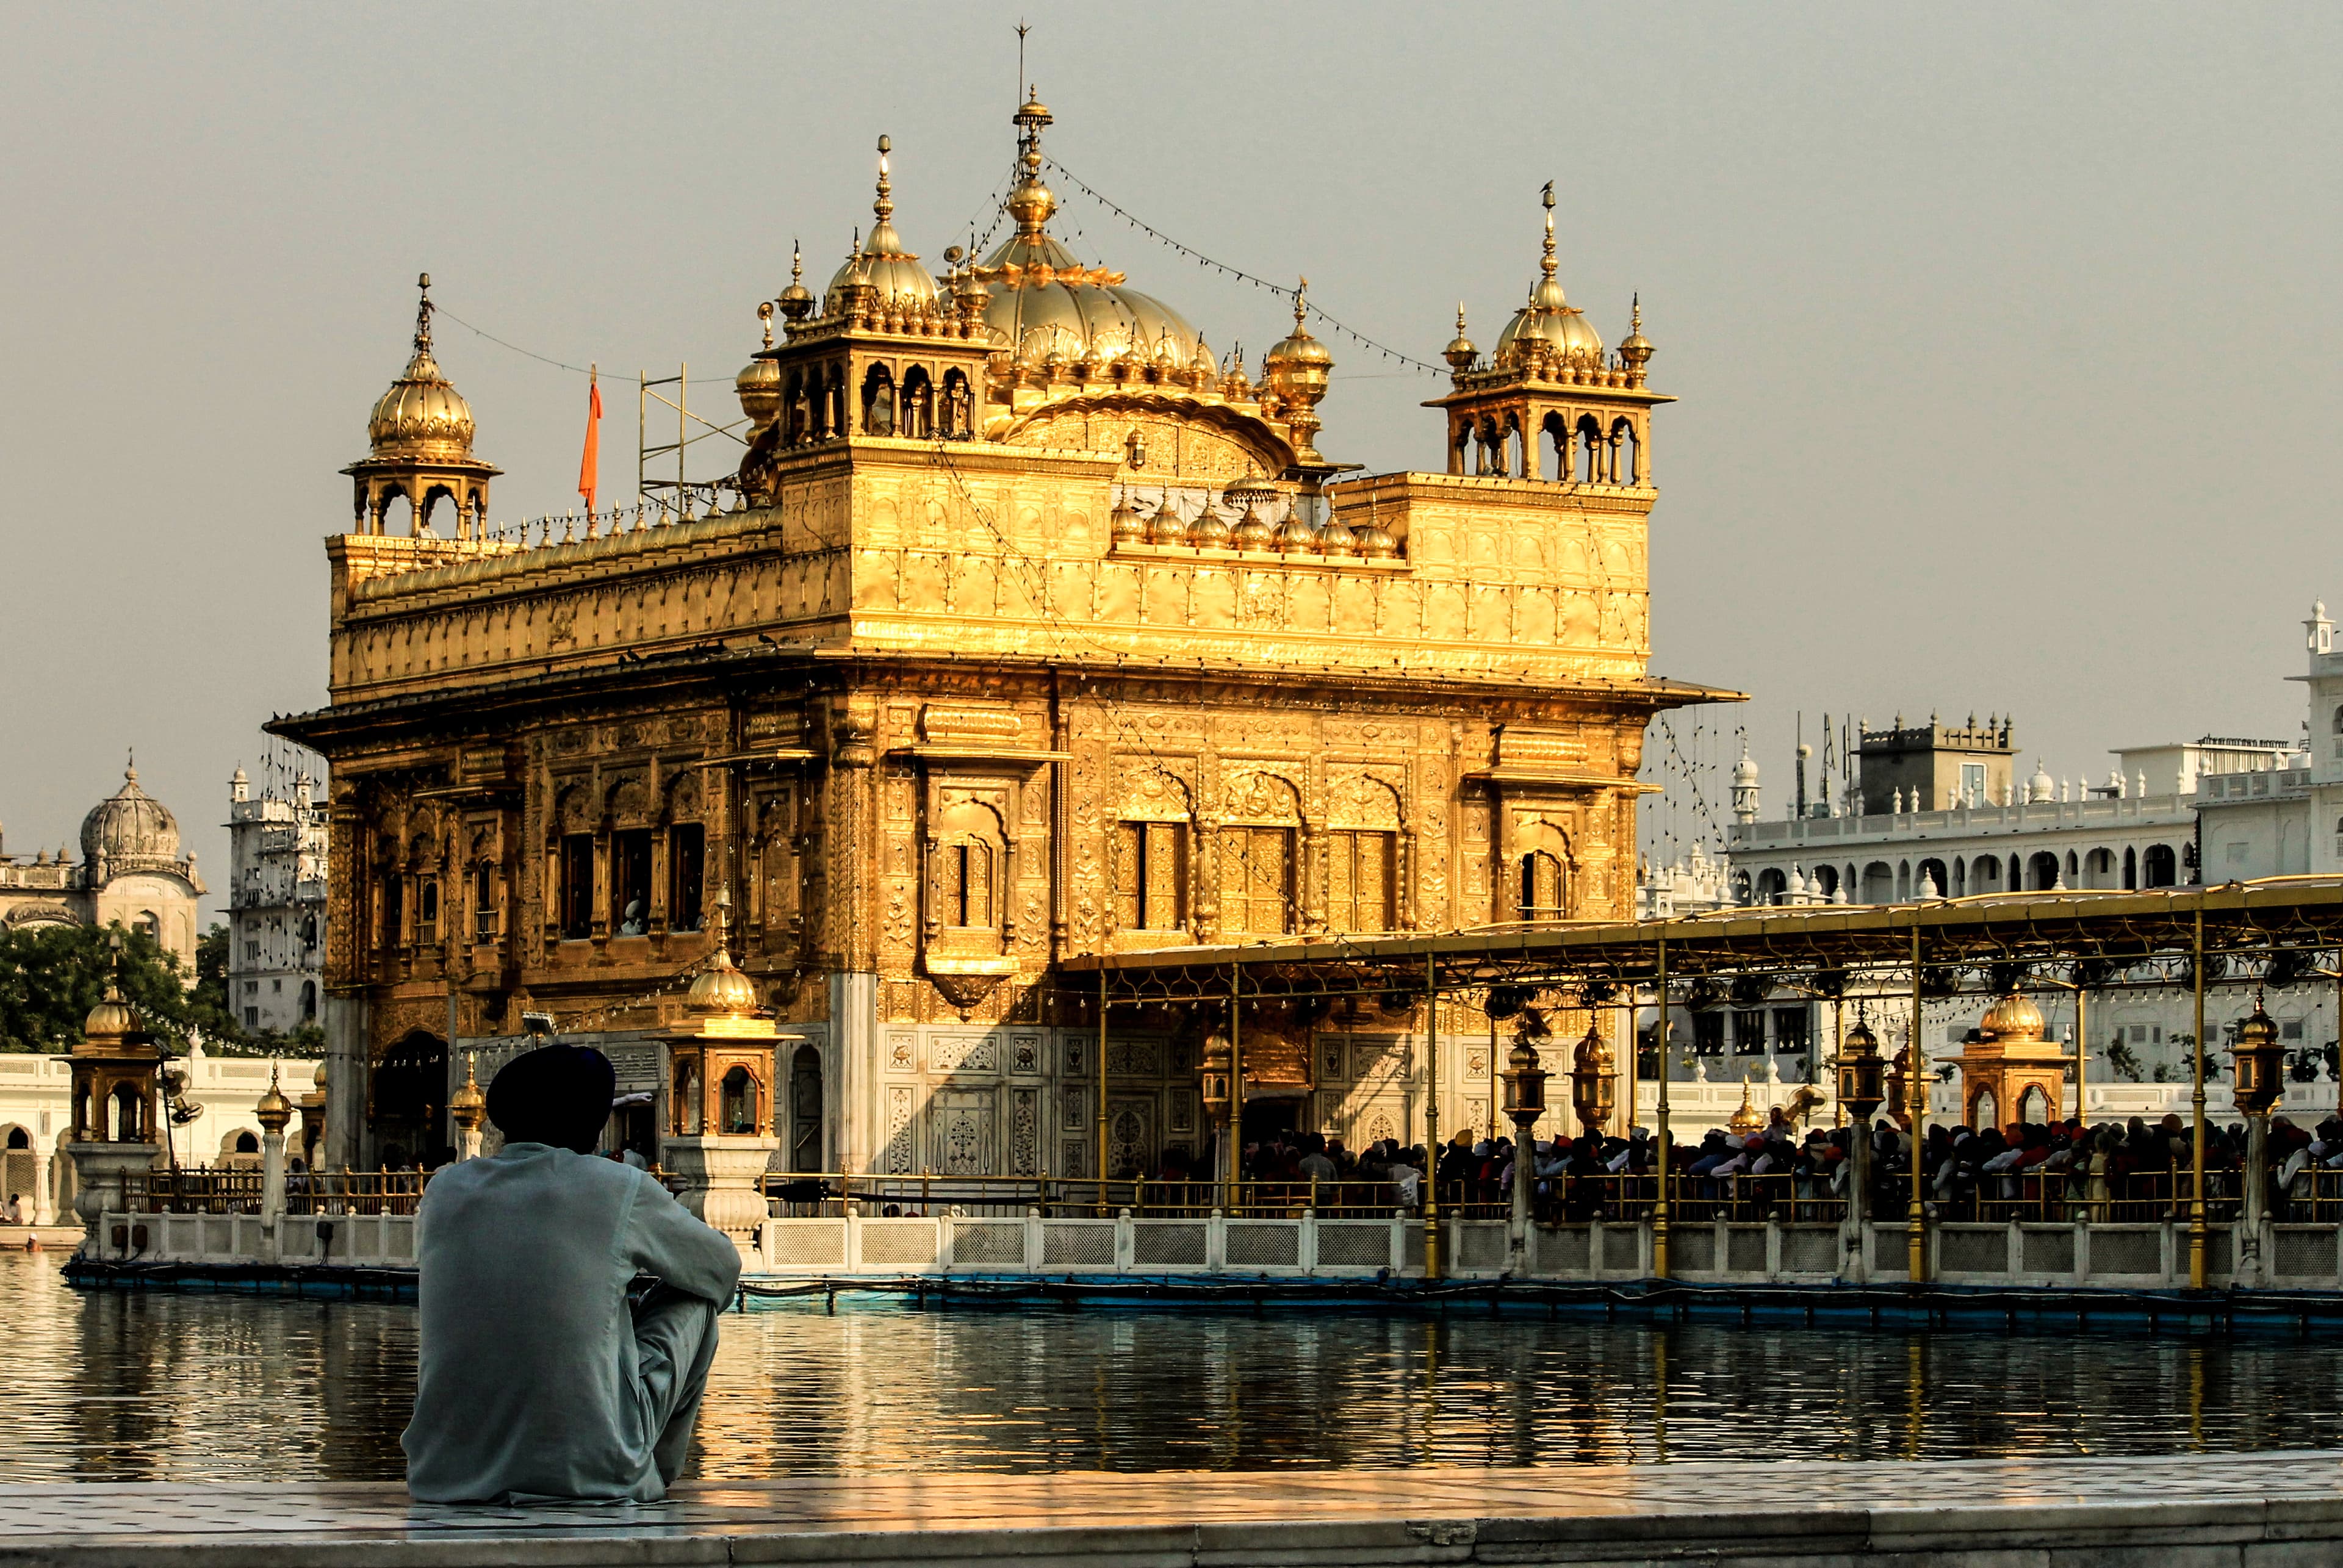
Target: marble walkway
(2238,1510)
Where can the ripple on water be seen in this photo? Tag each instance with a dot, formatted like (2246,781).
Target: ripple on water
(107,1385)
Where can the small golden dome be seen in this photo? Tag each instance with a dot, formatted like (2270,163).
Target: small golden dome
(1296,535)
(797,300)
(1375,542)
(759,383)
(1167,527)
(1459,352)
(1297,356)
(2011,1017)
(467,1105)
(1337,539)
(1252,533)
(1548,320)
(273,1109)
(110,1020)
(1210,531)
(422,415)
(1635,348)
(1126,527)
(1745,1121)
(721,988)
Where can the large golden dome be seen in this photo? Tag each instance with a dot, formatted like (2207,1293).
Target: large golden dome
(894,274)
(1044,301)
(1548,320)
(422,415)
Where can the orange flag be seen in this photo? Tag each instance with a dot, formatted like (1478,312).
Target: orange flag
(589,465)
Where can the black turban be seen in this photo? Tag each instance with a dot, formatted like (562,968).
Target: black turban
(556,1094)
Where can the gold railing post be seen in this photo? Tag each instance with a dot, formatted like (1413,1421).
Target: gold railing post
(2196,1110)
(1101,1093)
(1660,1203)
(1430,1119)
(1917,1247)
(1236,1080)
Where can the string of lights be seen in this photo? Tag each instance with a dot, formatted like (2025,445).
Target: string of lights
(1419,366)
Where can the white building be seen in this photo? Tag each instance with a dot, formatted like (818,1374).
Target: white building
(36,1118)
(131,874)
(277,903)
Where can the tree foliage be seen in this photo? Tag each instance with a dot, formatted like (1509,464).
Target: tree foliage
(51,975)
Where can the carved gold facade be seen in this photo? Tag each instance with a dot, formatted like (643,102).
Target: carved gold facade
(1034,630)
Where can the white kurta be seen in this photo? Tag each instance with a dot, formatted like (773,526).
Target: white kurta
(536,1379)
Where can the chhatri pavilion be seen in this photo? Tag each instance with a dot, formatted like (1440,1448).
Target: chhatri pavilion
(1030,627)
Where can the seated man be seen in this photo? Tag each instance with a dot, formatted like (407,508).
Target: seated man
(538,1379)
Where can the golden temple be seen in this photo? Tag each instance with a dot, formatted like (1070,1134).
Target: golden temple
(1035,629)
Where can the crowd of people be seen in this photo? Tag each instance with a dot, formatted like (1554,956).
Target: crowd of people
(2135,1171)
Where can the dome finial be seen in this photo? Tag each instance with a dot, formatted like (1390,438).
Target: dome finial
(1301,302)
(1546,264)
(423,313)
(885,204)
(130,766)
(797,300)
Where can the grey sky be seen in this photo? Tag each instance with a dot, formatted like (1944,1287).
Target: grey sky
(2007,365)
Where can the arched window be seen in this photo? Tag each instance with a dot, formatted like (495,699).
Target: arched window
(129,1117)
(741,1103)
(1983,1110)
(308,1000)
(1545,886)
(148,925)
(2033,1105)
(1933,880)
(2042,871)
(877,402)
(1825,881)
(1257,880)
(426,911)
(2159,868)
(1772,885)
(2131,867)
(246,1143)
(966,888)
(1151,876)
(918,405)
(684,1114)
(2338,721)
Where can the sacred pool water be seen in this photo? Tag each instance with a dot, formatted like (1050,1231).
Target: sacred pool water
(107,1386)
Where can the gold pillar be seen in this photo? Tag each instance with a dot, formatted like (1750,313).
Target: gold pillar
(1101,1171)
(1236,1088)
(1660,1203)
(1432,1120)
(2082,1056)
(1916,1088)
(2197,1108)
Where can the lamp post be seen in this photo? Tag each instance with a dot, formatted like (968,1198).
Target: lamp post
(467,1108)
(1524,1103)
(2259,1084)
(1594,1086)
(273,1113)
(1861,1089)
(1217,1059)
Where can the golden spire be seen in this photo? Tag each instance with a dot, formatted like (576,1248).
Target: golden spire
(467,1105)
(1546,264)
(796,300)
(765,316)
(1459,352)
(423,313)
(884,206)
(1031,203)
